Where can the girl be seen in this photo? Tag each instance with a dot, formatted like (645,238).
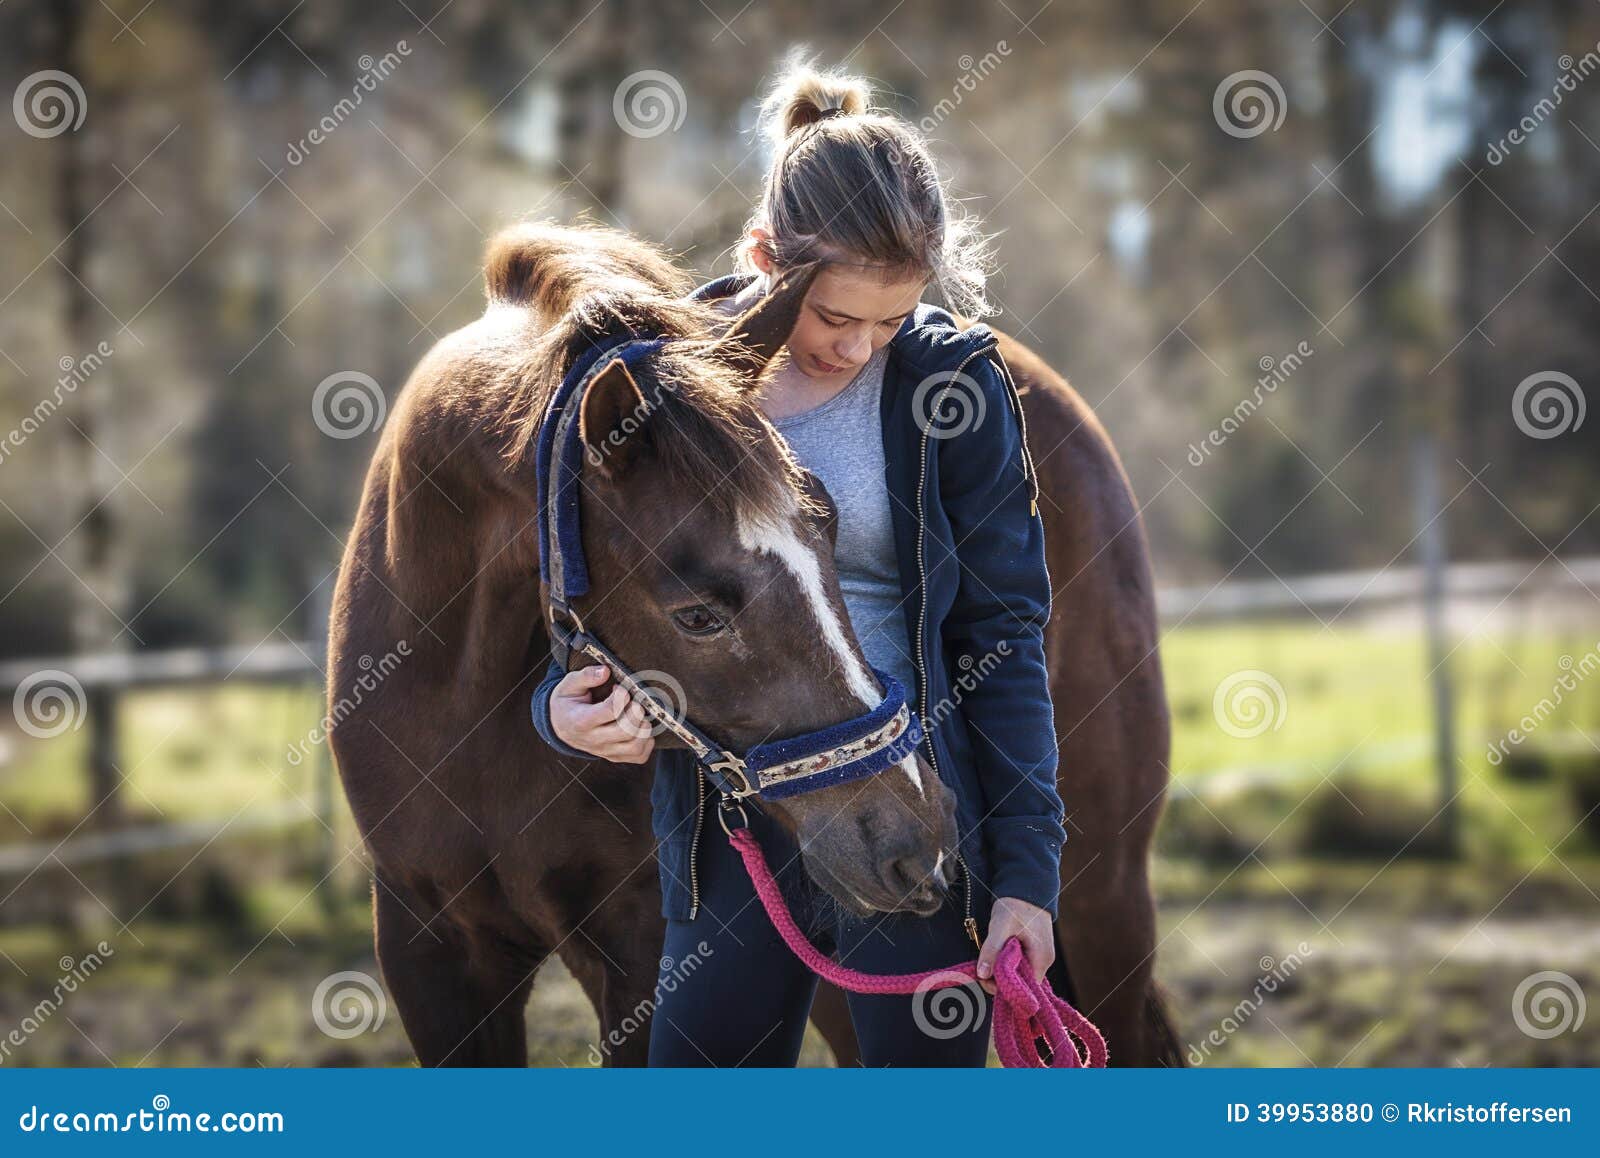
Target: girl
(913,425)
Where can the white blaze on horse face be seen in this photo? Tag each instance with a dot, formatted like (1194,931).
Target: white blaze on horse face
(909,767)
(759,533)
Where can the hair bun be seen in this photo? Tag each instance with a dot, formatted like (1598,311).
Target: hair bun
(805,95)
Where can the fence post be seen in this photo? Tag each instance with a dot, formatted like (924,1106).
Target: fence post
(105,798)
(1434,550)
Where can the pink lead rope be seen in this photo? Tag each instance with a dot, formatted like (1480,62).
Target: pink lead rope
(1025,1009)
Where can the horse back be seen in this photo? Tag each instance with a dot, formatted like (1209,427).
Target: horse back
(1101,642)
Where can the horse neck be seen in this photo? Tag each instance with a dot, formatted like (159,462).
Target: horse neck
(459,550)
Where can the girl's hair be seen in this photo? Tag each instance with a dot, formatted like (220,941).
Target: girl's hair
(852,184)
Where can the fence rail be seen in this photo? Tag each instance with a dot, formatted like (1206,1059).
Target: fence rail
(185,665)
(26,859)
(1340,589)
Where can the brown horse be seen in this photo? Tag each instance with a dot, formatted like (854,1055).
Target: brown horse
(490,851)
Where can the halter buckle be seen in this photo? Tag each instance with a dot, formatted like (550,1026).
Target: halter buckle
(733,767)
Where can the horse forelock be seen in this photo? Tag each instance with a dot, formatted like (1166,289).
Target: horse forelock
(712,440)
(708,435)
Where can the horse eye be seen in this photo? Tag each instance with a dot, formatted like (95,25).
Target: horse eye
(698,620)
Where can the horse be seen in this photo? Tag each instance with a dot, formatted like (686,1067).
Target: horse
(491,853)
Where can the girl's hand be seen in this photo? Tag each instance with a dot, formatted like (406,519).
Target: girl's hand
(614,729)
(1015,917)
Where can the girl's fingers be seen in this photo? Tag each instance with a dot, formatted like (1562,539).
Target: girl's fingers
(998,933)
(593,717)
(1041,954)
(616,728)
(620,736)
(577,684)
(590,718)
(631,751)
(638,721)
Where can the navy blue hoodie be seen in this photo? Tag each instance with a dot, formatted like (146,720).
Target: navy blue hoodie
(970,545)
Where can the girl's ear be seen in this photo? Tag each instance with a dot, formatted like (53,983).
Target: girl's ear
(761,250)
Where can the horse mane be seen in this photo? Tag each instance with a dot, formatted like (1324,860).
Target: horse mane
(590,283)
(548,266)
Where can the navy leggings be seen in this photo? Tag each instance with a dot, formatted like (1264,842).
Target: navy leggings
(732,993)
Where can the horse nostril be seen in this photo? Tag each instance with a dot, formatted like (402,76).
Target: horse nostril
(910,873)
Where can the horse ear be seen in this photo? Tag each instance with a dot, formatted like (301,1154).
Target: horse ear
(828,517)
(756,337)
(612,418)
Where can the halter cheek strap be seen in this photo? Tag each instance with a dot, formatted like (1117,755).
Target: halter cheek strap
(837,754)
(559,466)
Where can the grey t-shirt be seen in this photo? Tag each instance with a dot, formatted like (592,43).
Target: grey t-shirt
(841,442)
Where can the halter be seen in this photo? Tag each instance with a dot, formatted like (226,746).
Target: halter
(851,750)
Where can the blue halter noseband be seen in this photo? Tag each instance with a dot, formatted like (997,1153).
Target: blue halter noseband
(839,753)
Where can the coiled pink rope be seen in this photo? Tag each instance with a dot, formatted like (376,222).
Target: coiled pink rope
(1025,1009)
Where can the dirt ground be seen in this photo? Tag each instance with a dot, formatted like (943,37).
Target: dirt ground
(1283,965)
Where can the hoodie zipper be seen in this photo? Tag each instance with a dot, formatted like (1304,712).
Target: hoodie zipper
(969,922)
(694,842)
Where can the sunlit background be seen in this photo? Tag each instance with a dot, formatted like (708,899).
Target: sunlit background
(1326,270)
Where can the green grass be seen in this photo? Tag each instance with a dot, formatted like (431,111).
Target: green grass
(1357,691)
(186,754)
(1355,706)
